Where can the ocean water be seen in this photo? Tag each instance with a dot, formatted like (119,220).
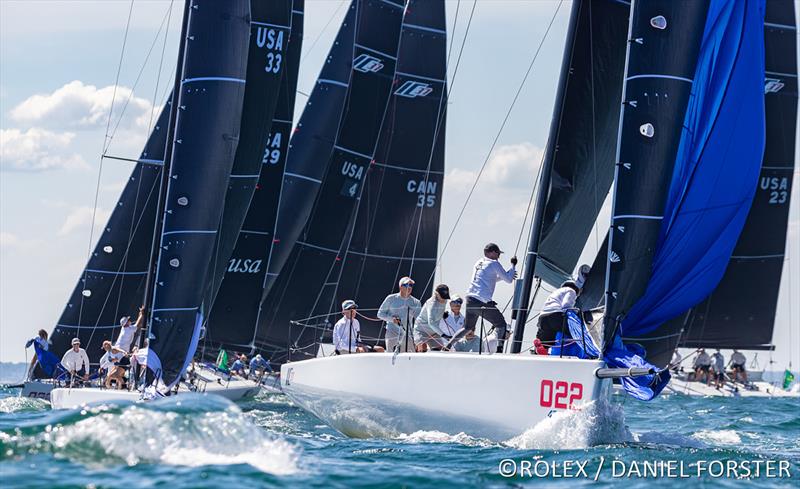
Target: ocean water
(204,441)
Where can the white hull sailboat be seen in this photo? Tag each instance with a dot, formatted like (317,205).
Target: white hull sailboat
(490,396)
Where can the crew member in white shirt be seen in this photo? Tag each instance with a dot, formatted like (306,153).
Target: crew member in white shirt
(553,315)
(453,321)
(399,312)
(347,330)
(737,362)
(128,331)
(487,272)
(75,360)
(109,362)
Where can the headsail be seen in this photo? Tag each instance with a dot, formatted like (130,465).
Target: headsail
(303,285)
(741,311)
(396,229)
(688,162)
(232,321)
(583,150)
(270,22)
(204,144)
(112,284)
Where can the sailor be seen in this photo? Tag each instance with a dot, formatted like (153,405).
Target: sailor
(719,369)
(75,360)
(109,362)
(427,334)
(238,366)
(126,334)
(452,321)
(553,316)
(675,364)
(39,341)
(737,363)
(486,273)
(346,330)
(470,343)
(259,363)
(399,311)
(702,366)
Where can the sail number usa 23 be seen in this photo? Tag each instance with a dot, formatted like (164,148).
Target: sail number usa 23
(559,394)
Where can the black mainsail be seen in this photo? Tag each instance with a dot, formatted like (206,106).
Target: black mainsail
(729,318)
(270,24)
(336,178)
(112,284)
(204,144)
(232,321)
(396,227)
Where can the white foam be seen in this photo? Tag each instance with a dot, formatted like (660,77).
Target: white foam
(720,437)
(191,439)
(440,437)
(597,423)
(15,404)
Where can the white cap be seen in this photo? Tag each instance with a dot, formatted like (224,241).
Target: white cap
(349,304)
(124,320)
(76,341)
(406,280)
(258,357)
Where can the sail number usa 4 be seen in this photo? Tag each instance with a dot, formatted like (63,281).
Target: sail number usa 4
(559,394)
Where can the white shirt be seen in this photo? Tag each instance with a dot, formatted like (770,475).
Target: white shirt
(560,300)
(73,360)
(485,276)
(126,337)
(451,324)
(737,358)
(342,331)
(108,360)
(702,360)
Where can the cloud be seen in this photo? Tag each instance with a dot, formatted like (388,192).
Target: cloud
(512,166)
(80,106)
(81,218)
(12,241)
(37,150)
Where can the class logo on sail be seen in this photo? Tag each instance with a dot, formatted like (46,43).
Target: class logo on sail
(773,85)
(413,89)
(367,64)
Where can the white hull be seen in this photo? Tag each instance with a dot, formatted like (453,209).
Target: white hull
(490,396)
(66,398)
(757,389)
(37,389)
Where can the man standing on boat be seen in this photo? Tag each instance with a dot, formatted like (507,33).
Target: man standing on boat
(75,360)
(128,331)
(487,272)
(737,362)
(399,311)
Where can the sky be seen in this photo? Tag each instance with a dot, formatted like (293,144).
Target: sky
(60,70)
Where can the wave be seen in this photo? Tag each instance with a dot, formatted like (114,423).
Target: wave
(192,430)
(440,437)
(719,437)
(17,404)
(597,423)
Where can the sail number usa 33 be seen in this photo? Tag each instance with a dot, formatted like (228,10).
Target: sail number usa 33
(559,394)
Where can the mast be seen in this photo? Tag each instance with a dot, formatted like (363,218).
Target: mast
(544,184)
(165,171)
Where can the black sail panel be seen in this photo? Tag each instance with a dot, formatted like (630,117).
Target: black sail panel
(657,88)
(584,151)
(741,311)
(232,320)
(266,63)
(396,230)
(307,280)
(206,134)
(112,284)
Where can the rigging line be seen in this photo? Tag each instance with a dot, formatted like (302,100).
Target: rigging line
(100,169)
(499,132)
(594,126)
(529,207)
(113,134)
(311,48)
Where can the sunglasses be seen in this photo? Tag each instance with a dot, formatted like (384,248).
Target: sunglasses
(456,303)
(407,285)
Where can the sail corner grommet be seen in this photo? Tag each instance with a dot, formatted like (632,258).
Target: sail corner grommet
(647,130)
(659,22)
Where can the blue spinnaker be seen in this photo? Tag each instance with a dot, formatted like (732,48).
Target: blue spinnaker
(617,355)
(716,170)
(49,362)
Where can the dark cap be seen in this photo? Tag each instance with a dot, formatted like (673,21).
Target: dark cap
(571,284)
(491,247)
(443,291)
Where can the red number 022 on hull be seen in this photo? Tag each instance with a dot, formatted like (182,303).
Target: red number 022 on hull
(560,394)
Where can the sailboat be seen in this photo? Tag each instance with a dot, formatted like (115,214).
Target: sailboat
(157,249)
(689,116)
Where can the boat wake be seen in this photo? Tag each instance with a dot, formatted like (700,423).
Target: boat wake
(440,437)
(597,423)
(187,431)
